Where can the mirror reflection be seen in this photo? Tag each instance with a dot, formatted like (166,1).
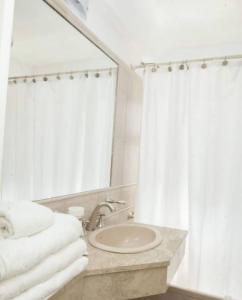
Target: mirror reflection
(60,109)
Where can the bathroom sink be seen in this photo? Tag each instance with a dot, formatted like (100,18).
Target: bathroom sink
(126,238)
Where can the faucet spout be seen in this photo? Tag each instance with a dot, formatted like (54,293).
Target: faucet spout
(96,216)
(108,205)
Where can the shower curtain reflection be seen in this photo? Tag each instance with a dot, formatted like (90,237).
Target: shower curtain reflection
(58,136)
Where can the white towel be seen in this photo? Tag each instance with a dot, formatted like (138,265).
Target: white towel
(23,218)
(20,255)
(48,288)
(6,229)
(46,269)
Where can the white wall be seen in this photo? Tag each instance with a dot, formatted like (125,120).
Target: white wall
(6,20)
(102,22)
(41,39)
(141,30)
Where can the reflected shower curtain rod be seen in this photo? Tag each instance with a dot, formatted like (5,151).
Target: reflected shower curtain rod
(71,73)
(186,61)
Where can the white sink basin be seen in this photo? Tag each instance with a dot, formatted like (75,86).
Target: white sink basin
(126,238)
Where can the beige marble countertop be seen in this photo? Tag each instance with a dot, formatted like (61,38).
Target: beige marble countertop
(101,262)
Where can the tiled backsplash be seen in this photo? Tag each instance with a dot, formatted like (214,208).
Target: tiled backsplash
(89,201)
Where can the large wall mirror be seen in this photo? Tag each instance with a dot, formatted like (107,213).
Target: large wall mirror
(60,108)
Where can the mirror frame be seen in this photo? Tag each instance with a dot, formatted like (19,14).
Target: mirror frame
(61,8)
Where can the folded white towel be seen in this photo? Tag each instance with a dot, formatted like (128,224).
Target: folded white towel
(20,255)
(23,218)
(48,288)
(46,269)
(6,229)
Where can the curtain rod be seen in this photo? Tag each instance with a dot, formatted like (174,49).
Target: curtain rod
(71,73)
(185,61)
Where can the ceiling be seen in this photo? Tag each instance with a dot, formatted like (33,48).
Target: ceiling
(136,30)
(42,38)
(157,30)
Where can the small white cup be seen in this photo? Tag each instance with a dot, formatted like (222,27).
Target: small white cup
(76,211)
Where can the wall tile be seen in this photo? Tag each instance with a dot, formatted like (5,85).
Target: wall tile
(89,200)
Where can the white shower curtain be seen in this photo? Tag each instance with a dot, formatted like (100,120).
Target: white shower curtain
(191,170)
(58,137)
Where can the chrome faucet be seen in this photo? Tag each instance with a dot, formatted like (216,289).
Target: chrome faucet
(95,220)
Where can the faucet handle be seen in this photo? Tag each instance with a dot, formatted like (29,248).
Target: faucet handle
(130,215)
(100,220)
(112,201)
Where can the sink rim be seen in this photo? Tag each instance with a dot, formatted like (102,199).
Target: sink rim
(124,250)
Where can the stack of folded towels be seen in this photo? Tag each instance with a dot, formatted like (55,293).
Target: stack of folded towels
(40,251)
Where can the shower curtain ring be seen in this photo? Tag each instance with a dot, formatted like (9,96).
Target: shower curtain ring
(154,69)
(225,61)
(181,67)
(204,65)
